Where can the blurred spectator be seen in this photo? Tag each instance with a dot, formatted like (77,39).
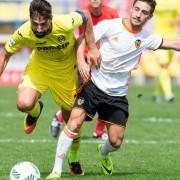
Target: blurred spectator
(166,12)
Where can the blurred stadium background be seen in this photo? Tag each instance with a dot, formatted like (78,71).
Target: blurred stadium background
(151,147)
(15,12)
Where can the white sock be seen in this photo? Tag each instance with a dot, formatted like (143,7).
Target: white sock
(63,145)
(107,148)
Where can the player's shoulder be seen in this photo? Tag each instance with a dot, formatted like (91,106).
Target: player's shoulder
(111,23)
(24,30)
(63,22)
(115,21)
(146,33)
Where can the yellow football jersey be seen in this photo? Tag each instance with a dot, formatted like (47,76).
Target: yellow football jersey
(56,49)
(165,13)
(52,64)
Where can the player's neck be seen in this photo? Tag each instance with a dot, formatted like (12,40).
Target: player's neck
(96,11)
(128,25)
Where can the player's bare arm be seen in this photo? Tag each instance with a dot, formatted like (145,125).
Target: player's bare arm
(83,65)
(93,52)
(170,44)
(4,58)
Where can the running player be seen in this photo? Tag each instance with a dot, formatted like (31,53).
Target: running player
(52,64)
(165,14)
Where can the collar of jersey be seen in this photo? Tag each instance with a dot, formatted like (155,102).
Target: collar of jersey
(129,29)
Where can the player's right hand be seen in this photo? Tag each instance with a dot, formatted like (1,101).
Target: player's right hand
(94,57)
(84,69)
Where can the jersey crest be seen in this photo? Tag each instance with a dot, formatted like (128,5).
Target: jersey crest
(61,38)
(80,101)
(137,43)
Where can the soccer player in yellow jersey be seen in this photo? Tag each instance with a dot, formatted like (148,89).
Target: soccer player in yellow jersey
(52,64)
(166,12)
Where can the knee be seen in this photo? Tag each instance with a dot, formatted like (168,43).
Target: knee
(76,120)
(116,141)
(24,104)
(74,126)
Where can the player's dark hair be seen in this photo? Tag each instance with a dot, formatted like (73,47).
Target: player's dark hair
(152,3)
(40,8)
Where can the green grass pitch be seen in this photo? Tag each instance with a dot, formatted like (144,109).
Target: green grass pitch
(151,148)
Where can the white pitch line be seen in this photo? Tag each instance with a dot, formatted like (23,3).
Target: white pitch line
(147,119)
(161,120)
(126,141)
(10,114)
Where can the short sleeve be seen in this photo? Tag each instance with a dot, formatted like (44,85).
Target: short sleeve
(154,42)
(15,42)
(101,29)
(76,19)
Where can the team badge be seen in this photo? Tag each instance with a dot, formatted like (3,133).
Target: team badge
(61,38)
(115,39)
(80,101)
(137,43)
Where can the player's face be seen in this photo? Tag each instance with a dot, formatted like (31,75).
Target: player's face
(40,26)
(140,13)
(95,3)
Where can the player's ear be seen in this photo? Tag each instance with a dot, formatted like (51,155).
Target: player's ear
(50,19)
(150,16)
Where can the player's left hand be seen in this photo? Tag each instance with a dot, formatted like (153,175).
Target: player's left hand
(94,57)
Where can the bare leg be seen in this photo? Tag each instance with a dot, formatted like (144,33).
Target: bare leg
(116,134)
(27,98)
(66,137)
(27,101)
